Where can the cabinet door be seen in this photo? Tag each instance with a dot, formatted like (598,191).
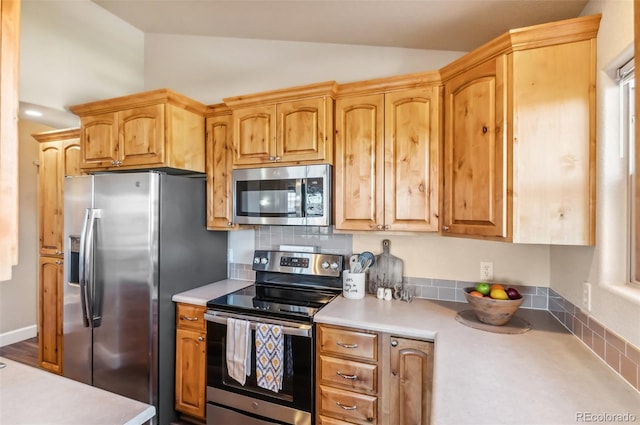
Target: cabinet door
(359,164)
(412,134)
(254,135)
(71,158)
(411,381)
(50,202)
(304,130)
(99,140)
(50,317)
(475,180)
(141,138)
(219,184)
(191,358)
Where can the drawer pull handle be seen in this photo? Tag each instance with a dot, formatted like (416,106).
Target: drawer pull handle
(346,376)
(342,406)
(343,345)
(187,318)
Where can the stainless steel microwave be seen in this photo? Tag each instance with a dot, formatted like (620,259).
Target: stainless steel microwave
(288,196)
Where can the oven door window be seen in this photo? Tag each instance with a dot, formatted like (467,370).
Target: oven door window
(297,380)
(269,198)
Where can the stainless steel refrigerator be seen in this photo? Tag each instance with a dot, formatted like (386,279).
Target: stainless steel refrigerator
(132,240)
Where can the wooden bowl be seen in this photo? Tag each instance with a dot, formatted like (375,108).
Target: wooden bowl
(490,311)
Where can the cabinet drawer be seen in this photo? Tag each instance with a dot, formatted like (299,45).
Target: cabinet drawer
(190,316)
(324,420)
(348,343)
(348,405)
(345,373)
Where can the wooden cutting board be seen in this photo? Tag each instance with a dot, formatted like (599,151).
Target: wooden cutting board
(386,271)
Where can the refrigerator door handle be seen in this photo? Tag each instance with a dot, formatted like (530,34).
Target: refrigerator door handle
(86,265)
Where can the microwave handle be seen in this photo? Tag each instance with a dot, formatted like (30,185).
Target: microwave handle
(300,185)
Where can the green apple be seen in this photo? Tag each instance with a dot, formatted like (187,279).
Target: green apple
(483,287)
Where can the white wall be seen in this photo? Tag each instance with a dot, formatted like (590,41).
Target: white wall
(212,68)
(75,51)
(18,296)
(613,304)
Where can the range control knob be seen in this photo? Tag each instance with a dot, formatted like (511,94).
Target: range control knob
(264,260)
(325,265)
(334,266)
(256,260)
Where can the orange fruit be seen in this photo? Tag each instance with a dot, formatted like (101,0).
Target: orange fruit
(476,294)
(496,286)
(498,294)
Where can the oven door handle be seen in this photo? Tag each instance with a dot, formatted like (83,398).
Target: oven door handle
(302,330)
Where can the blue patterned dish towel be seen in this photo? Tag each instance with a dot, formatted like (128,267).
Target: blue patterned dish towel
(269,355)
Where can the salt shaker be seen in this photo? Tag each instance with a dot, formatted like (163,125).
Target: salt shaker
(387,294)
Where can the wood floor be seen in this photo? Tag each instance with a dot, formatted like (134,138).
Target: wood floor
(23,352)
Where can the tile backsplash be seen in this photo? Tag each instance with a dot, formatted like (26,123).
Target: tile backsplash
(324,238)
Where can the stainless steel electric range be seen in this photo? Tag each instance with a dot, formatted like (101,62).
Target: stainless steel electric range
(290,288)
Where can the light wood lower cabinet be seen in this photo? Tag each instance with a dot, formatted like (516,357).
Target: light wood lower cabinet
(410,381)
(366,377)
(50,318)
(191,360)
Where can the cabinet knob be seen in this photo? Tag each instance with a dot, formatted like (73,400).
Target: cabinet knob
(200,338)
(386,227)
(484,129)
(445,228)
(272,158)
(394,343)
(277,158)
(58,252)
(188,319)
(58,262)
(379,227)
(229,223)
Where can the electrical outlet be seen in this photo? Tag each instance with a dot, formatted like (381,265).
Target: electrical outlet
(586,296)
(486,271)
(230,255)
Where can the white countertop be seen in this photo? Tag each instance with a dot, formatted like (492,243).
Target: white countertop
(545,376)
(31,396)
(202,294)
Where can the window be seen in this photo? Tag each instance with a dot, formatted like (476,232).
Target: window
(626,78)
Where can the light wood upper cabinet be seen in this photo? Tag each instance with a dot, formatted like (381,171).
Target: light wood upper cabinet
(290,126)
(156,129)
(50,317)
(519,146)
(387,160)
(59,157)
(219,151)
(475,193)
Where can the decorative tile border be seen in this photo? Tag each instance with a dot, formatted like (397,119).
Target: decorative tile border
(620,355)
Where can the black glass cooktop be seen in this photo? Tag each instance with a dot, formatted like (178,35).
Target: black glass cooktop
(298,304)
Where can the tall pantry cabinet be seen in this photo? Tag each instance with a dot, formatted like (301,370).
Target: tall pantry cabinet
(59,157)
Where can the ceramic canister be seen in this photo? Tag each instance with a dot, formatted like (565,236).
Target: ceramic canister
(353,285)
